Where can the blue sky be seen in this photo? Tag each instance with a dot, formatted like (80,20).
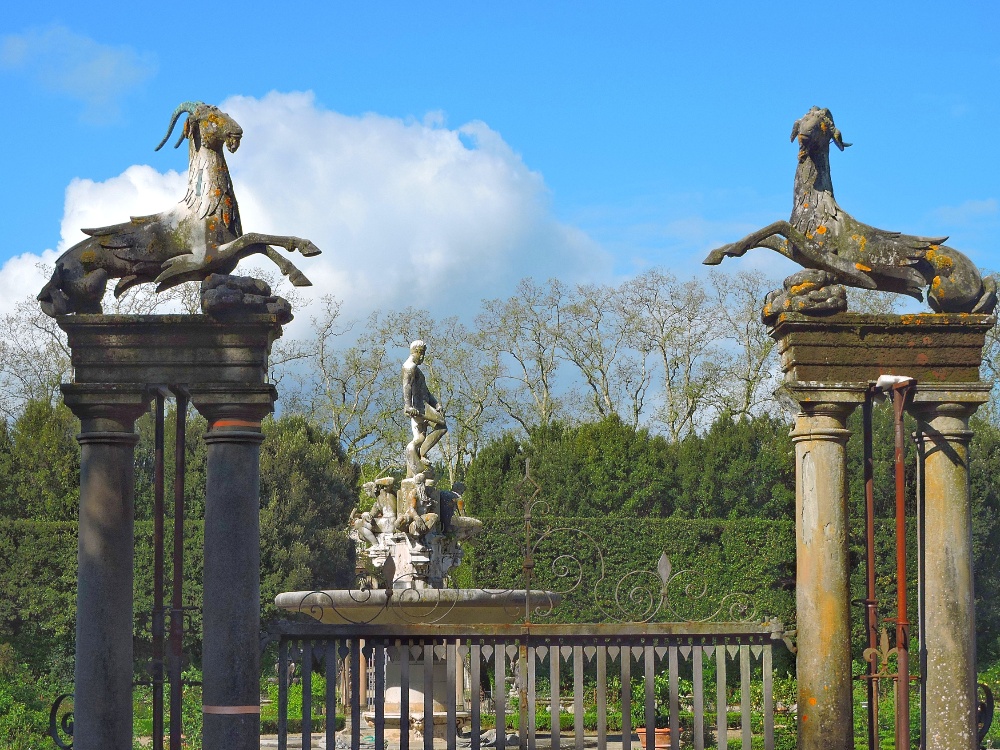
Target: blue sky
(614,136)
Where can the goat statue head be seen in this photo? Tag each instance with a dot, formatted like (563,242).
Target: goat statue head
(814,131)
(207,126)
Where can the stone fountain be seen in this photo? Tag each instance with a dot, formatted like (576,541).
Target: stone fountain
(412,538)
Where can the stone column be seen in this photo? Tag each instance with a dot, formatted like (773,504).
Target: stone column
(949,637)
(822,591)
(231,611)
(103,674)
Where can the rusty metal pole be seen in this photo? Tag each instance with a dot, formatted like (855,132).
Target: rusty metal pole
(177,601)
(158,576)
(871,603)
(900,392)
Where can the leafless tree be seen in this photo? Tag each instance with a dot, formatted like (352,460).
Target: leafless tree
(596,328)
(34,358)
(675,326)
(522,333)
(746,369)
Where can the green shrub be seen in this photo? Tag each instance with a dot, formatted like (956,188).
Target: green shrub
(24,704)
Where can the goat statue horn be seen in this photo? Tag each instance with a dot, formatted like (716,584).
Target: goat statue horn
(839,139)
(183,107)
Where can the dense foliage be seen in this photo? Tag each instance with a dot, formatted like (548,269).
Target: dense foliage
(612,484)
(738,468)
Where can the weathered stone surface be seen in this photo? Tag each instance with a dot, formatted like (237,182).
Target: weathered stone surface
(234,298)
(428,606)
(103,671)
(822,592)
(177,349)
(821,235)
(223,368)
(194,238)
(828,366)
(949,602)
(853,348)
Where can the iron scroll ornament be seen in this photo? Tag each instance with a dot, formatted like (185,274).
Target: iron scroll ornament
(984,713)
(63,724)
(638,596)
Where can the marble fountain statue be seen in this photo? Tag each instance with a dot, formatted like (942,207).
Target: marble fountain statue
(412,537)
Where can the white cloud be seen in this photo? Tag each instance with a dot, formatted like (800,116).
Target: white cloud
(969,212)
(65,62)
(22,276)
(407,213)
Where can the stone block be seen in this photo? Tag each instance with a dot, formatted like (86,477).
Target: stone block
(175,349)
(856,348)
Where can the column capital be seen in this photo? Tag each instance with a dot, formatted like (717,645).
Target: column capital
(238,408)
(943,411)
(955,400)
(106,407)
(836,400)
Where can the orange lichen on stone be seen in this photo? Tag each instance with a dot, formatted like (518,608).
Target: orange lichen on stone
(88,256)
(821,229)
(862,267)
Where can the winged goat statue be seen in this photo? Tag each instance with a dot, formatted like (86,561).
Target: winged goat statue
(199,237)
(838,249)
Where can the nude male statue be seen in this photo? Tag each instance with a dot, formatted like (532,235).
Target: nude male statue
(426,415)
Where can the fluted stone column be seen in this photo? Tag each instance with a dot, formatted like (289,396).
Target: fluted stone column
(231,611)
(103,674)
(822,591)
(949,637)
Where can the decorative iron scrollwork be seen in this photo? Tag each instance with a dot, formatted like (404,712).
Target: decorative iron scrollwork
(638,596)
(63,724)
(984,713)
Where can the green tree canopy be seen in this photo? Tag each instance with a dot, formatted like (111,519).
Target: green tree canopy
(307,490)
(605,468)
(40,464)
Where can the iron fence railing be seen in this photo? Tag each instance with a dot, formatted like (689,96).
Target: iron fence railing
(686,675)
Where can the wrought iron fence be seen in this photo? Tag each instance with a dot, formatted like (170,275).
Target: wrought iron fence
(614,678)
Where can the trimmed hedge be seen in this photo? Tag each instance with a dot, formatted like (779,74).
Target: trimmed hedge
(710,557)
(715,557)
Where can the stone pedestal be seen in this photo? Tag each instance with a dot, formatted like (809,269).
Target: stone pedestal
(231,610)
(103,673)
(393,706)
(822,592)
(828,363)
(223,366)
(949,636)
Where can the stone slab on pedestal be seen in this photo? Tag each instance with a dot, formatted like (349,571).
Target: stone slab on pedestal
(852,347)
(409,606)
(176,349)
